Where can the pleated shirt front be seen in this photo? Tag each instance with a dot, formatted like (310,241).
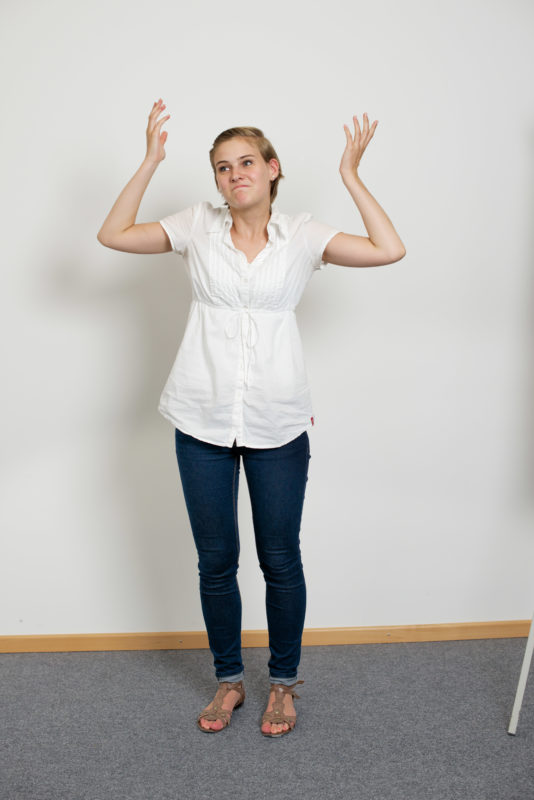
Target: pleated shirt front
(239,373)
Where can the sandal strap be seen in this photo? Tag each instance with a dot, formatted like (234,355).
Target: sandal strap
(225,687)
(279,718)
(282,687)
(216,713)
(237,686)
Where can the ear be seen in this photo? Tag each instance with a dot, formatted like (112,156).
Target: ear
(275,167)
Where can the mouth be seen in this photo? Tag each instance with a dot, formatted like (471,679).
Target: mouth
(241,186)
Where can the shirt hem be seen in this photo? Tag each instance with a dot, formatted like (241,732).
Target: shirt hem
(179,425)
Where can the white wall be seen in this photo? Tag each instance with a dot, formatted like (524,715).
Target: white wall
(419,504)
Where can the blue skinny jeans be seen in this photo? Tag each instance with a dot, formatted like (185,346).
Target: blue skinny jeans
(276,478)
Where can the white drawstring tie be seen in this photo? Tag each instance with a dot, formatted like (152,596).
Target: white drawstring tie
(248,338)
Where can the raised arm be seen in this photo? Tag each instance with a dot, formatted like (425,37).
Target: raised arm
(119,231)
(383,245)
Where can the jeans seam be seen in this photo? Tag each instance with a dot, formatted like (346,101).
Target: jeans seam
(307,469)
(234,504)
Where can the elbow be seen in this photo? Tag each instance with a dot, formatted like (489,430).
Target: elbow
(390,256)
(398,256)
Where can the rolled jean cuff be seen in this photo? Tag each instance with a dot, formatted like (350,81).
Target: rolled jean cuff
(233,678)
(285,681)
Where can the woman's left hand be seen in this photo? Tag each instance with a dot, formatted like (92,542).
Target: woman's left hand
(356,146)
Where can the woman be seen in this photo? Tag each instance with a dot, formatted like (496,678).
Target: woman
(238,387)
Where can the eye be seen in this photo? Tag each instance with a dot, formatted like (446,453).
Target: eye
(246,161)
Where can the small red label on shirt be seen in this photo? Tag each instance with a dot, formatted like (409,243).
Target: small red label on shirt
(313,423)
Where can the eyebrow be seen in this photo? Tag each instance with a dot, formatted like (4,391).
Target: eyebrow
(240,157)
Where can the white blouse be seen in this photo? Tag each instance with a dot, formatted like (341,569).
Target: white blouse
(239,374)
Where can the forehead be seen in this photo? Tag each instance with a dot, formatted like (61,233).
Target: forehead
(235,148)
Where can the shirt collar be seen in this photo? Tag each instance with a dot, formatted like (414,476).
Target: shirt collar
(223,221)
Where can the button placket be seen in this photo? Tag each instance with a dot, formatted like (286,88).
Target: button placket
(248,338)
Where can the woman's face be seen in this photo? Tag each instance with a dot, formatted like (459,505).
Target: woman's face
(243,177)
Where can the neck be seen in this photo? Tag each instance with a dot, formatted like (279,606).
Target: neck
(251,223)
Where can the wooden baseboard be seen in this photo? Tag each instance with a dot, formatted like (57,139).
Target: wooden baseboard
(193,640)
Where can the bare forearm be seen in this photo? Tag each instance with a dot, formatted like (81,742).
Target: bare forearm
(378,225)
(124,211)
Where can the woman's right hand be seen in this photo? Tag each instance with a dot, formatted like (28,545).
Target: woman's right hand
(155,140)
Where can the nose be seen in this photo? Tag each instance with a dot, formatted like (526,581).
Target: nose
(235,173)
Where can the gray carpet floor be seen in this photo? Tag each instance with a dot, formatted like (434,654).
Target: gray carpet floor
(424,721)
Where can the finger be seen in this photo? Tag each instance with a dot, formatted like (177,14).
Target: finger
(348,134)
(357,131)
(159,105)
(156,125)
(372,130)
(365,129)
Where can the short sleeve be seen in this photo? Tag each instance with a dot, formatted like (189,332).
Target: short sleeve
(317,235)
(179,227)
